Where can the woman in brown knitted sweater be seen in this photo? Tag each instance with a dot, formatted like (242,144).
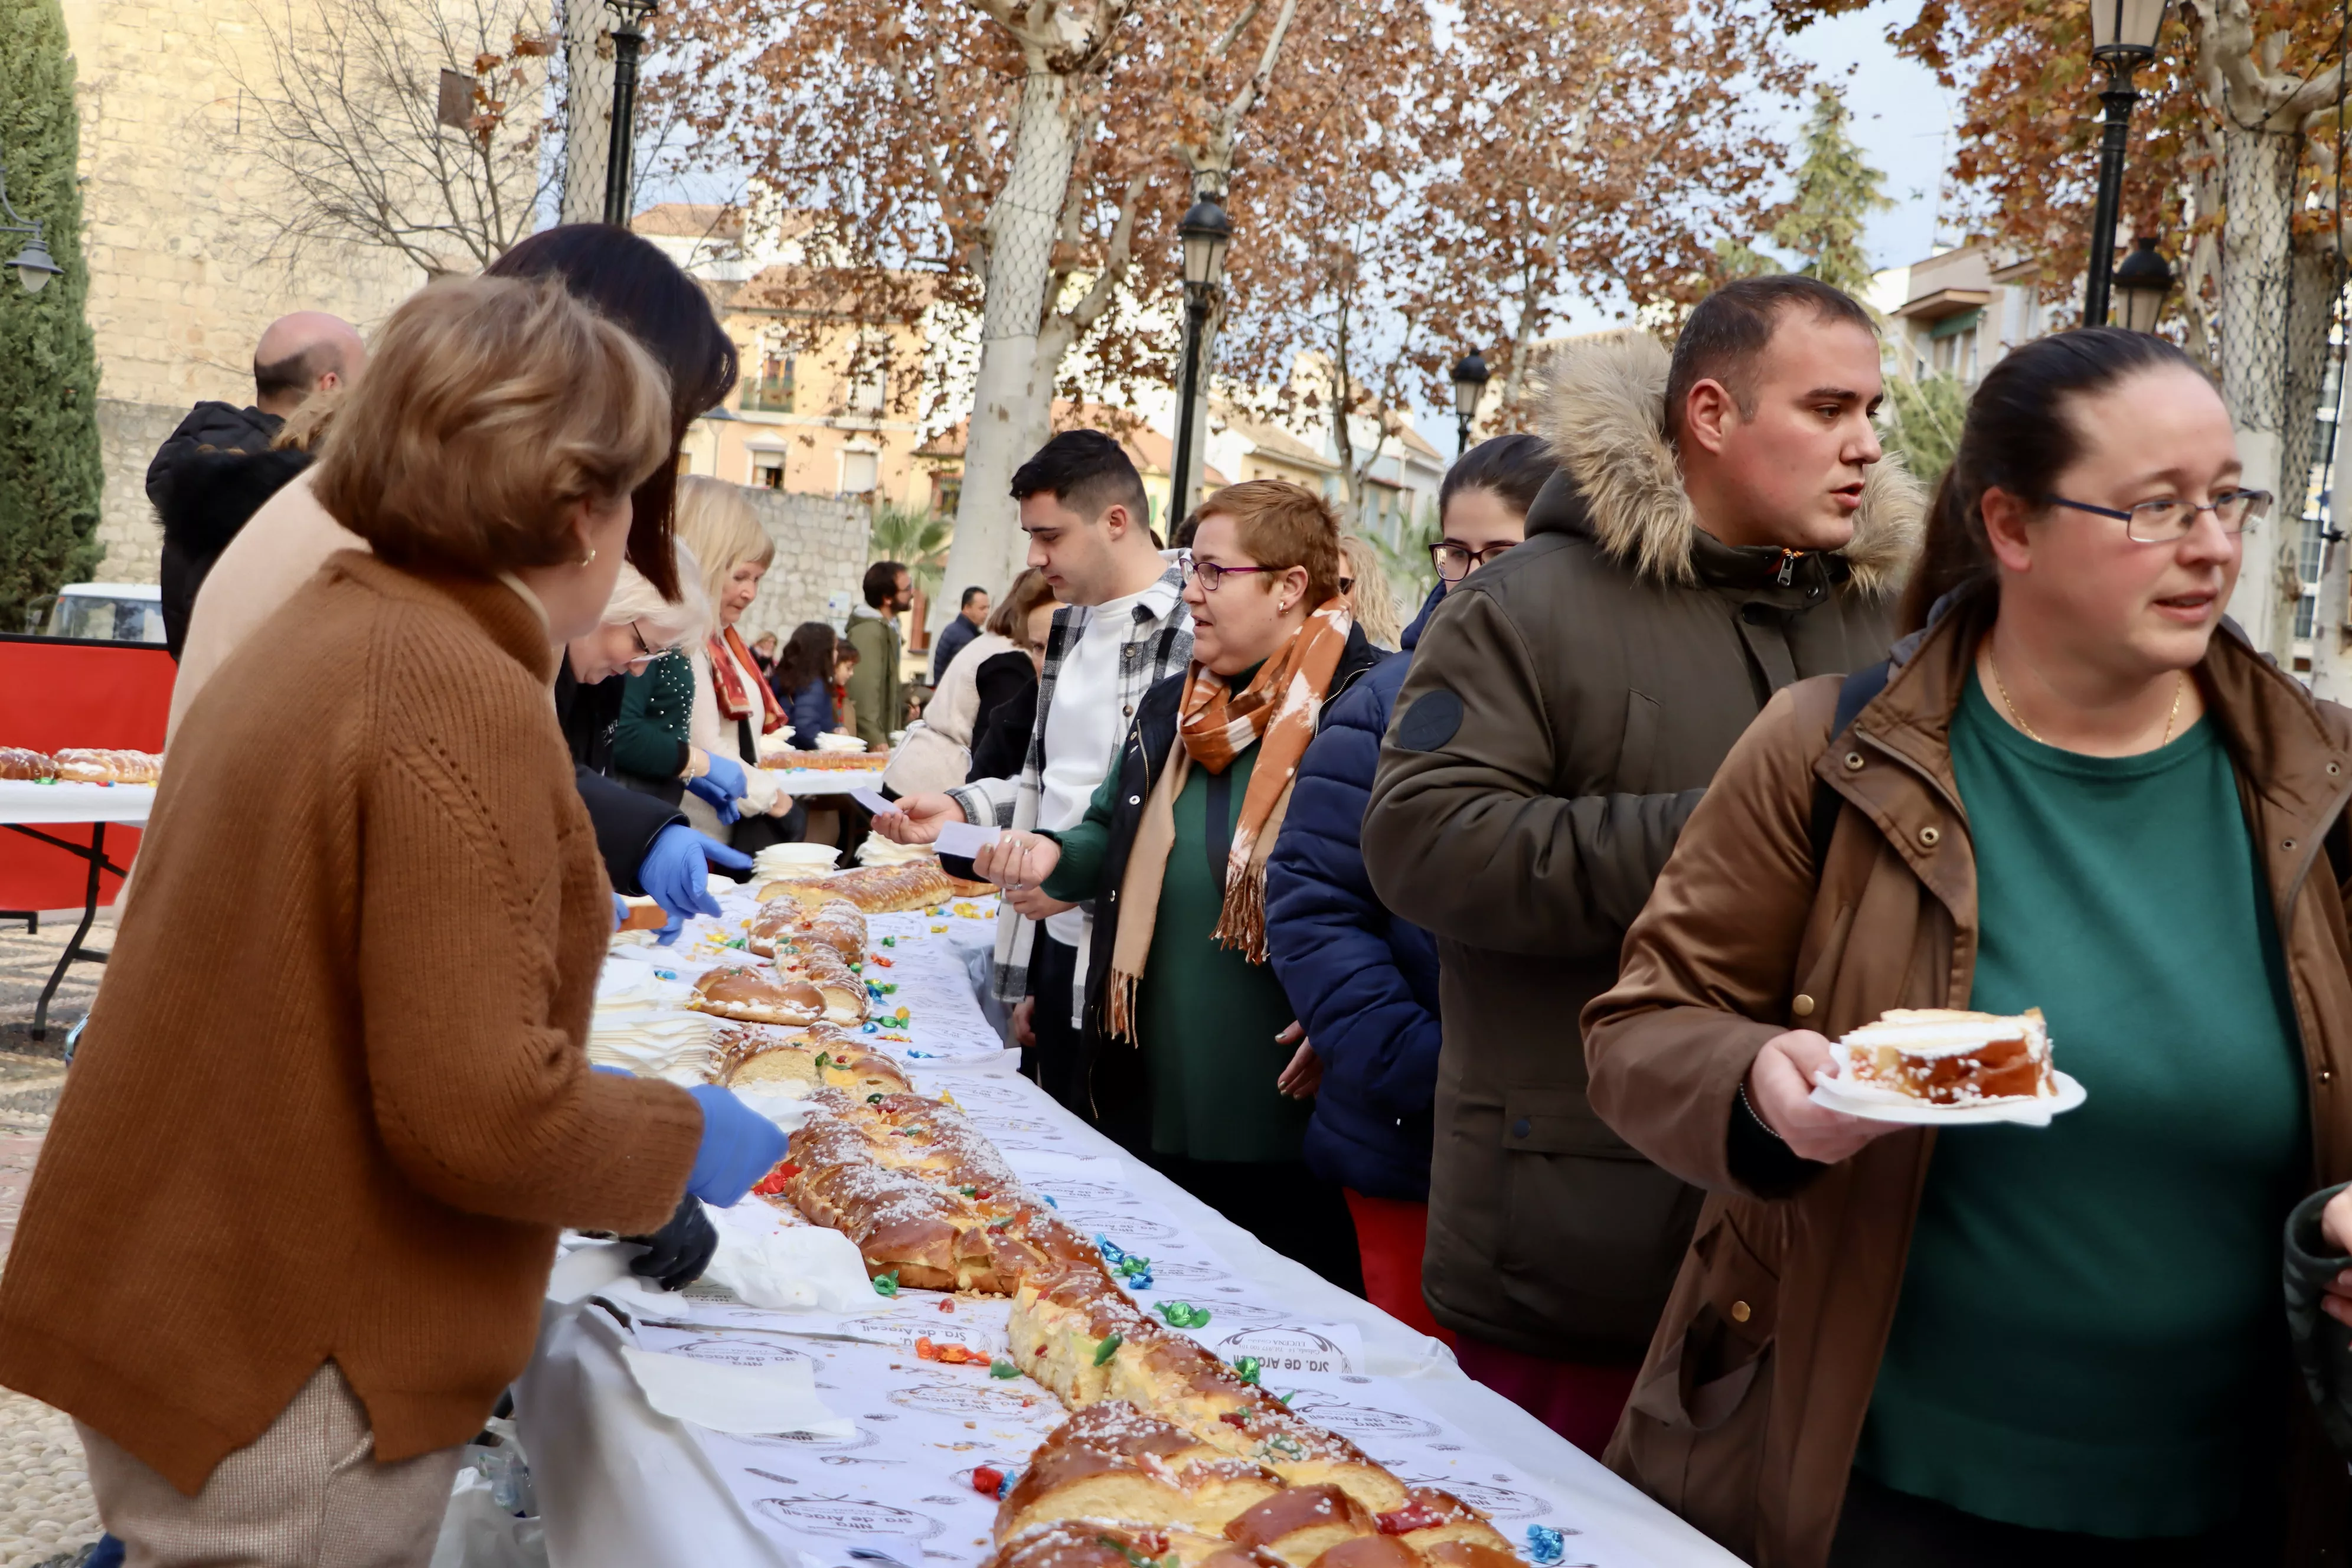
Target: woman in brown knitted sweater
(291,1226)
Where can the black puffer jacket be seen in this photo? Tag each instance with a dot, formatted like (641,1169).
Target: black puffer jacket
(206,482)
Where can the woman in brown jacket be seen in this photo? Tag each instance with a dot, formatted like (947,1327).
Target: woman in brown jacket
(2078,790)
(289,1232)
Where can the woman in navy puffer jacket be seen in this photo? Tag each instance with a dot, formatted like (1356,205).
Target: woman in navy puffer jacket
(1363,982)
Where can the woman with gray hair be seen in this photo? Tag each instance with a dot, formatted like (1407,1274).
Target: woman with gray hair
(671,861)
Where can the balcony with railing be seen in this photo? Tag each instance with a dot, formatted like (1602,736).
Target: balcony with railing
(768,393)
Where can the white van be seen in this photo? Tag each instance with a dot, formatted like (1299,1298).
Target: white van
(107,612)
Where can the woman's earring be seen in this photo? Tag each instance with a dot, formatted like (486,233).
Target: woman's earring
(585,560)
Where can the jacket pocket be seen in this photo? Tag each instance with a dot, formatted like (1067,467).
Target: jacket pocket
(1586,1222)
(1557,1121)
(1638,753)
(1694,1427)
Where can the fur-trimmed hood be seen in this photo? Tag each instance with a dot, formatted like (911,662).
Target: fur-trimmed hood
(1605,416)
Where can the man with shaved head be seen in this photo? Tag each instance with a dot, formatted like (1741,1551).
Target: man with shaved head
(218,466)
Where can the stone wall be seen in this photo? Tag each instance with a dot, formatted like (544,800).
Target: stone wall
(179,233)
(820,559)
(127,435)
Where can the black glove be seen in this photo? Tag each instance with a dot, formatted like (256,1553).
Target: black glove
(680,1251)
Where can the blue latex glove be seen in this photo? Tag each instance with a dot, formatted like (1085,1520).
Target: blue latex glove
(722,787)
(739,1147)
(620,910)
(675,874)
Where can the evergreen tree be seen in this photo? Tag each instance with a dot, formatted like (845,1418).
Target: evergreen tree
(49,474)
(1923,420)
(1837,190)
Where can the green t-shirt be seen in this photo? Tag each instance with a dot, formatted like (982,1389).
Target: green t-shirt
(2091,1322)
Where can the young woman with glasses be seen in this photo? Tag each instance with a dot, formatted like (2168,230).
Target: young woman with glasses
(2079,790)
(1363,982)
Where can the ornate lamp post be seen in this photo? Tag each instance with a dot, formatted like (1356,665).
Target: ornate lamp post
(2123,39)
(2140,285)
(1206,232)
(33,265)
(1470,377)
(629,18)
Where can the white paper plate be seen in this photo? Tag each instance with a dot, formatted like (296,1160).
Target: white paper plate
(1885,1105)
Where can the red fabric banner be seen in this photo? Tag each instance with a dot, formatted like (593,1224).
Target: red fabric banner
(55,694)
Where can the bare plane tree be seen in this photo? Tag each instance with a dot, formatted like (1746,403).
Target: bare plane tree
(346,111)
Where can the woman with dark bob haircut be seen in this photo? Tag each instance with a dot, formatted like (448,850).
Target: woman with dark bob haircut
(631,283)
(2073,788)
(335,1105)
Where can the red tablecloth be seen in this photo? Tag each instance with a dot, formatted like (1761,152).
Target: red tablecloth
(54,693)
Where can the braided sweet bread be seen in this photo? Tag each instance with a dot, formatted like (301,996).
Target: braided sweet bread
(875,890)
(87,764)
(835,924)
(756,996)
(22,762)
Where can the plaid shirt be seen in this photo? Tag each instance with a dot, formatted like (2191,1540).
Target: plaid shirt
(1158,643)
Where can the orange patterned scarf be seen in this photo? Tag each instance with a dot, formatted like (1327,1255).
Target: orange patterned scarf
(727,686)
(1276,712)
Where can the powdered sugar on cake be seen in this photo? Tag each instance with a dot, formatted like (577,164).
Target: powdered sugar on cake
(1945,1057)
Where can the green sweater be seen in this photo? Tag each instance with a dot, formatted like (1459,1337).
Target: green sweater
(1207,1018)
(2090,1329)
(657,705)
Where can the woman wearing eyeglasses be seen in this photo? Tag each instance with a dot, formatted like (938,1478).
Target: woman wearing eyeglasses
(2078,790)
(1365,983)
(1187,1027)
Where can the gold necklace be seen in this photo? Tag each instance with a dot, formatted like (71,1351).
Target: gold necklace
(2179,684)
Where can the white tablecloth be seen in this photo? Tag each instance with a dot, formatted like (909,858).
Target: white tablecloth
(621,1485)
(33,804)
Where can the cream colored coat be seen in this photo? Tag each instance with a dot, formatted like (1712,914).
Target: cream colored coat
(937,752)
(276,553)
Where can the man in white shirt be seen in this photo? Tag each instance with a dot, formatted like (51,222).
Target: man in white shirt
(1126,626)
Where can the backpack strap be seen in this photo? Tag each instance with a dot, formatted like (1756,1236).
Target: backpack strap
(1854,696)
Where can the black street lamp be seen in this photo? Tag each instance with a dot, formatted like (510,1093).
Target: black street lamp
(629,18)
(1470,377)
(1206,232)
(33,265)
(2123,39)
(2140,285)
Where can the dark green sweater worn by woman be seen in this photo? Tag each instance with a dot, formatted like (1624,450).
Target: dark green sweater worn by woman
(649,742)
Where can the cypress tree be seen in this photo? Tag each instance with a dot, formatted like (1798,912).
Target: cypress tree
(50,472)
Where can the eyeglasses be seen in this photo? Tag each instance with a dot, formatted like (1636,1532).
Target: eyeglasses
(646,653)
(2162,522)
(1453,563)
(1208,574)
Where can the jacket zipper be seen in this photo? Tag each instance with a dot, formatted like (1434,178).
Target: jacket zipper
(1787,567)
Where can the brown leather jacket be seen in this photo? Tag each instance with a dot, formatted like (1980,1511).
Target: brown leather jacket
(1567,706)
(1747,1411)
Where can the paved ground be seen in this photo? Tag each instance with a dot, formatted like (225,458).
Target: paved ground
(46,1519)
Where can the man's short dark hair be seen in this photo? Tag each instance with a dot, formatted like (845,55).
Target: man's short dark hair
(969,595)
(1727,333)
(1087,471)
(882,581)
(297,375)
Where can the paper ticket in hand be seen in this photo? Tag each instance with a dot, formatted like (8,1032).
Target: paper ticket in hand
(963,838)
(873,802)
